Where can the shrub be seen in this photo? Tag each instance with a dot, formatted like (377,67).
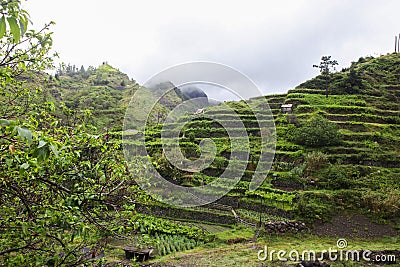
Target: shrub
(336,177)
(297,172)
(191,136)
(385,202)
(318,132)
(314,207)
(315,160)
(288,132)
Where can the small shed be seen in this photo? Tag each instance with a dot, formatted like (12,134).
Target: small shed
(287,108)
(199,111)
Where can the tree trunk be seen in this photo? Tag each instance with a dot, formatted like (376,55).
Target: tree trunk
(326,85)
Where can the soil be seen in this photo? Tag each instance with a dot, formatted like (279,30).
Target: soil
(353,226)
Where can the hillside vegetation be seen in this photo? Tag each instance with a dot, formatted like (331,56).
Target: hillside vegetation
(104,91)
(67,196)
(332,154)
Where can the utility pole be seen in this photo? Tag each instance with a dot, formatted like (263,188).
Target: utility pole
(398,44)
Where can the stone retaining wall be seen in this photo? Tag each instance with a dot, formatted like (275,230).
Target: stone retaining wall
(284,227)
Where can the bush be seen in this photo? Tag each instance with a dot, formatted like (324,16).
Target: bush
(313,207)
(316,160)
(336,177)
(384,202)
(191,136)
(318,132)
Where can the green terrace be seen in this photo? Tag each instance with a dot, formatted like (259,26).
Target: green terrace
(366,158)
(340,109)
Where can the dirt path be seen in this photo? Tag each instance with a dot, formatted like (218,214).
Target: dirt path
(353,226)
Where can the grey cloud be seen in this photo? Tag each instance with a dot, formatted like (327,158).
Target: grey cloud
(274,43)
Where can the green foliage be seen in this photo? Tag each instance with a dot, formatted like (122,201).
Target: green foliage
(385,202)
(321,205)
(54,184)
(297,172)
(314,206)
(336,177)
(96,89)
(63,186)
(152,225)
(274,198)
(191,136)
(167,244)
(353,84)
(16,18)
(325,67)
(18,56)
(320,100)
(57,182)
(315,160)
(3,26)
(364,76)
(318,132)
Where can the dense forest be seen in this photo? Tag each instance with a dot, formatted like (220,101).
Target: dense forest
(68,197)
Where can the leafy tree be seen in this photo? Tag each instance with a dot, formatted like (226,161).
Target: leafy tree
(56,186)
(57,182)
(325,67)
(22,51)
(318,132)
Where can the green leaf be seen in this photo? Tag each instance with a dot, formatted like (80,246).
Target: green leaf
(4,122)
(24,166)
(9,162)
(22,27)
(2,26)
(42,153)
(25,134)
(23,23)
(54,149)
(41,144)
(14,28)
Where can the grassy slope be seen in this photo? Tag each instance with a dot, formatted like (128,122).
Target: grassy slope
(245,254)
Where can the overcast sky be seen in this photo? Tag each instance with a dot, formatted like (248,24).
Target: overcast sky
(274,43)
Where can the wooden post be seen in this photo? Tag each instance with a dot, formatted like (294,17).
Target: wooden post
(395,43)
(261,210)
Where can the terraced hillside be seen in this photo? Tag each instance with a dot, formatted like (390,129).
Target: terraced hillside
(310,182)
(360,172)
(332,155)
(368,113)
(199,127)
